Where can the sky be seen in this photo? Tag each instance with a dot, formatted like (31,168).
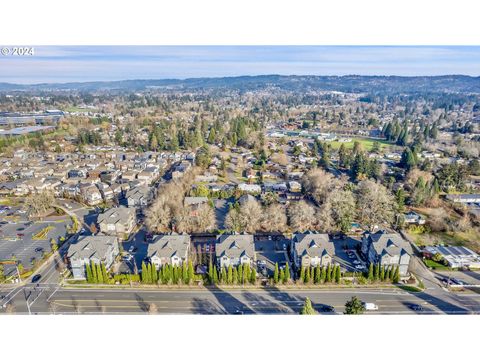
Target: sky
(60,64)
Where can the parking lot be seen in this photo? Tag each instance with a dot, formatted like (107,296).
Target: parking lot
(16,240)
(137,247)
(271,250)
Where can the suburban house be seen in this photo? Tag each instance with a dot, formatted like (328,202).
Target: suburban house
(91,195)
(168,249)
(234,249)
(312,249)
(96,249)
(413,218)
(464,198)
(250,188)
(139,196)
(387,249)
(118,221)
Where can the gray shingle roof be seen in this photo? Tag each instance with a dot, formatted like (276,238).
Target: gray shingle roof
(235,246)
(115,215)
(313,245)
(389,243)
(166,246)
(91,246)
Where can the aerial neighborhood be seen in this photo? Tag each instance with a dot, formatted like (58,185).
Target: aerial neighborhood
(249,187)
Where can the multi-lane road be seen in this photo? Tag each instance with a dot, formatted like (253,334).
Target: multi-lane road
(45,298)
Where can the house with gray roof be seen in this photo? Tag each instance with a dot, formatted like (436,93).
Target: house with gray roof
(312,249)
(96,249)
(139,196)
(169,249)
(118,221)
(235,249)
(387,249)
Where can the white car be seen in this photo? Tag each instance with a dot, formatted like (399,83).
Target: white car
(131,248)
(360,267)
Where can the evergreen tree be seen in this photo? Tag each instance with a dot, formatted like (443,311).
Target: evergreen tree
(99,274)
(329,273)
(185,278)
(302,273)
(387,274)
(210,273)
(253,276)
(154,274)
(377,272)
(317,275)
(94,273)
(382,273)
(246,273)
(88,271)
(312,273)
(323,274)
(307,308)
(224,275)
(338,274)
(191,272)
(240,274)
(354,306)
(392,273)
(230,275)
(144,272)
(215,275)
(307,276)
(104,273)
(235,276)
(396,275)
(287,273)
(370,272)
(275,274)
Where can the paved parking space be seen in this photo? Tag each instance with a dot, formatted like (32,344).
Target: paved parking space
(137,247)
(16,240)
(270,252)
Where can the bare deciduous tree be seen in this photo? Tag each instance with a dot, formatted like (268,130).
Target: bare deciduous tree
(274,218)
(39,204)
(319,184)
(301,216)
(375,205)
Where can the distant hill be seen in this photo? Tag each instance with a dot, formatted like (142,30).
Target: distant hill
(350,83)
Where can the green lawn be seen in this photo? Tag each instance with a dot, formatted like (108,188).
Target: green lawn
(367,144)
(435,265)
(410,288)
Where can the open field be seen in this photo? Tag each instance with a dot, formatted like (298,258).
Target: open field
(367,144)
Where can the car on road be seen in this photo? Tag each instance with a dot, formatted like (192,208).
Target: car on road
(326,309)
(356,262)
(360,267)
(82,231)
(38,249)
(284,247)
(20,234)
(36,278)
(370,306)
(416,307)
(130,249)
